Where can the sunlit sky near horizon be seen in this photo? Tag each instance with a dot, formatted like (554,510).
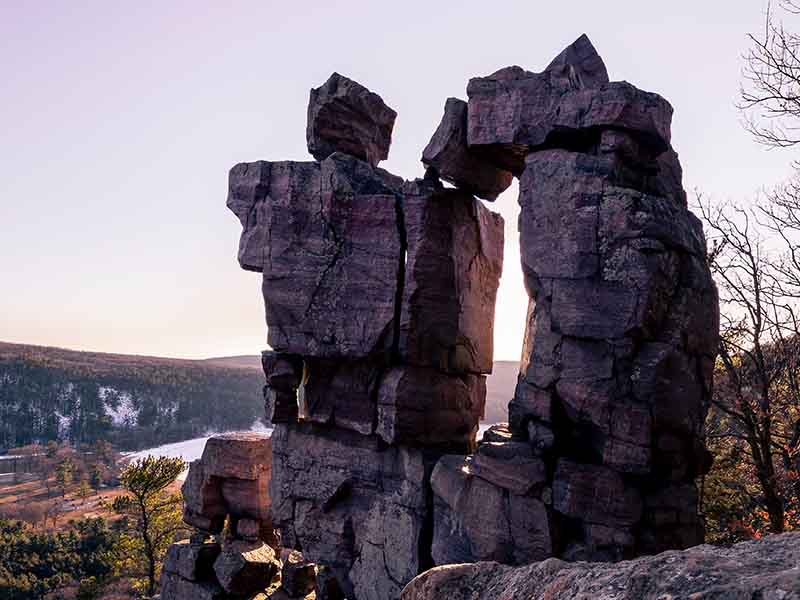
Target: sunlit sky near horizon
(120,121)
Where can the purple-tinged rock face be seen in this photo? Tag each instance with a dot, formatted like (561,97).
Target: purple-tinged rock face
(513,112)
(447,154)
(327,238)
(424,407)
(452,272)
(344,116)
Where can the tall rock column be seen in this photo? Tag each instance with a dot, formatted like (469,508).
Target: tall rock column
(604,438)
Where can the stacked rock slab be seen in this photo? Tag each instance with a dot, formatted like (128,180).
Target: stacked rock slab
(603,444)
(379,297)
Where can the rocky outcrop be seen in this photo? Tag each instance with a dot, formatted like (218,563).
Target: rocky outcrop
(765,568)
(379,297)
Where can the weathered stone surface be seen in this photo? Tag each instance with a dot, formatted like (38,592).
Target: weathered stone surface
(245,567)
(230,479)
(595,494)
(475,519)
(423,407)
(238,455)
(203,505)
(351,503)
(447,153)
(452,272)
(174,587)
(344,116)
(513,112)
(327,238)
(766,568)
(298,576)
(342,393)
(191,561)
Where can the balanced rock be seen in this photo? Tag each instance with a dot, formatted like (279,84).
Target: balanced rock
(231,479)
(448,154)
(344,116)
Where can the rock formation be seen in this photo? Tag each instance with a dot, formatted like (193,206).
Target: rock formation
(604,438)
(379,297)
(765,568)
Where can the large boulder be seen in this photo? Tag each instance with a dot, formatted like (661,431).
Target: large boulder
(765,568)
(344,116)
(449,156)
(514,112)
(327,238)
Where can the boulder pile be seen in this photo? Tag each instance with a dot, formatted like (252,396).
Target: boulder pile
(380,296)
(233,552)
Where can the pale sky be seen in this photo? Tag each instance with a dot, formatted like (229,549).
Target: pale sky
(119,122)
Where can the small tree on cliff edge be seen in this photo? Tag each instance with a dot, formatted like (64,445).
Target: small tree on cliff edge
(152,517)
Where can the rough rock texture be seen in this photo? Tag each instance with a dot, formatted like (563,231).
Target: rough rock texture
(379,297)
(448,154)
(452,272)
(766,569)
(245,567)
(422,406)
(353,504)
(327,238)
(344,116)
(231,479)
(191,561)
(513,111)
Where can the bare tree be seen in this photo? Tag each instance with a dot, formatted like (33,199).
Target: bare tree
(770,91)
(757,387)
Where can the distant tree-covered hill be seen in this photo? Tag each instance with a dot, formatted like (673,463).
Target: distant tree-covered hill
(133,401)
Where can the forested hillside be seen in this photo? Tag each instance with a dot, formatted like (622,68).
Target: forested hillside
(132,401)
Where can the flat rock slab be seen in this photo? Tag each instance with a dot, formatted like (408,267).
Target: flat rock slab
(766,568)
(344,116)
(238,455)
